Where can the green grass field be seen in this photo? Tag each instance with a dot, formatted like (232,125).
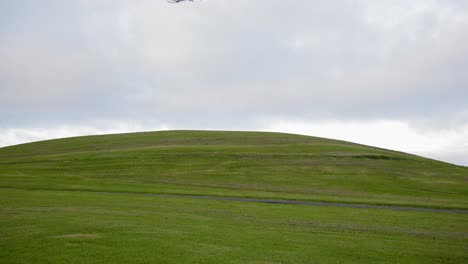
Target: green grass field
(83,200)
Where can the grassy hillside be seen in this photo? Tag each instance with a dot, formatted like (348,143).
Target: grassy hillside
(85,200)
(249,164)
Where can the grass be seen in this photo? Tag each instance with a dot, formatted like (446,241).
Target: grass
(72,227)
(52,211)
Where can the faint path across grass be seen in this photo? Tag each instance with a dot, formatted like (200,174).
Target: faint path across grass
(277,201)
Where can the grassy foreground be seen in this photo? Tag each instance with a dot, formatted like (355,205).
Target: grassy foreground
(72,227)
(51,210)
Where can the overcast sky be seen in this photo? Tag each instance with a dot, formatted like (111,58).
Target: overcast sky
(392,74)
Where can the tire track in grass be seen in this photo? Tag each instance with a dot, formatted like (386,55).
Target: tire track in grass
(268,201)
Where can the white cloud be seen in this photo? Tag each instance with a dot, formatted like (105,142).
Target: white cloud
(446,145)
(13,136)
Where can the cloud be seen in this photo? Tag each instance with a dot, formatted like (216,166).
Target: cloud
(388,134)
(446,145)
(13,136)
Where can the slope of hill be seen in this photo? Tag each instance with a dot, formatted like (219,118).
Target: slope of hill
(100,199)
(237,164)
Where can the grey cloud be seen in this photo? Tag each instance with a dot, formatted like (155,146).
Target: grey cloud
(219,63)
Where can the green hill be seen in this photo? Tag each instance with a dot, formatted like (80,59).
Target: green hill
(174,197)
(247,164)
